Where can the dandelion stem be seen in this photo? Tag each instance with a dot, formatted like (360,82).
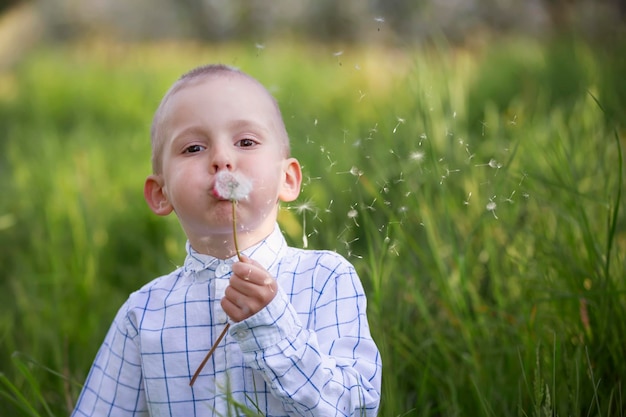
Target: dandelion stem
(234,202)
(221,336)
(208,355)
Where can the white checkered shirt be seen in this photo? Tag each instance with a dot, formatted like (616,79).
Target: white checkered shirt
(308,353)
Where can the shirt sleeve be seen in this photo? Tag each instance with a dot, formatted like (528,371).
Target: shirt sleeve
(114,386)
(330,369)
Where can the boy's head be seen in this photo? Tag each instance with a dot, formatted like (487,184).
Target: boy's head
(217,119)
(189,79)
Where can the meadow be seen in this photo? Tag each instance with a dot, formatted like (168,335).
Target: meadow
(477,192)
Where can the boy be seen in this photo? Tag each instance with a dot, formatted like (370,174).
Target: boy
(299,342)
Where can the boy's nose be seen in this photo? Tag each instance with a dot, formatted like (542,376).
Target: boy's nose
(220,160)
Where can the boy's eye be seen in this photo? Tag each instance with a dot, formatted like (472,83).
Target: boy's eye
(244,143)
(193,149)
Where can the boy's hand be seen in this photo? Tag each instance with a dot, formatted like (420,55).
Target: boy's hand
(251,289)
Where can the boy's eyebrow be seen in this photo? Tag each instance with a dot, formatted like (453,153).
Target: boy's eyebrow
(248,123)
(235,124)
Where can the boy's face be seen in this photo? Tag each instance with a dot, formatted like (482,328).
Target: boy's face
(222,122)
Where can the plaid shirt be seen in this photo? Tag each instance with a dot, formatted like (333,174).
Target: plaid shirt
(308,353)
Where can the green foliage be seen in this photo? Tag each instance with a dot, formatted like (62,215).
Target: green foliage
(478,195)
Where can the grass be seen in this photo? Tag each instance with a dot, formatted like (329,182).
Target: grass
(478,193)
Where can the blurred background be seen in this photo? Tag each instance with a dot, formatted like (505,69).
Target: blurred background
(396,22)
(464,155)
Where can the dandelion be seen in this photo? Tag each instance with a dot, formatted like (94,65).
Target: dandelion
(234,187)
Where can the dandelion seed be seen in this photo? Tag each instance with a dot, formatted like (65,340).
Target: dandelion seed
(315,122)
(302,209)
(451,171)
(423,137)
(510,199)
(491,164)
(353,214)
(379,19)
(417,156)
(400,121)
(514,121)
(491,206)
(466,202)
(259,46)
(524,175)
(361,95)
(338,53)
(393,248)
(356,172)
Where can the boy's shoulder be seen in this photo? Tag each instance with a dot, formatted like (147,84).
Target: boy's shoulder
(163,284)
(317,258)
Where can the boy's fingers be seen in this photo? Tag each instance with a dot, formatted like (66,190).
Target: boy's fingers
(252,273)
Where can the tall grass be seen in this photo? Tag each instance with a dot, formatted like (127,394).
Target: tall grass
(478,195)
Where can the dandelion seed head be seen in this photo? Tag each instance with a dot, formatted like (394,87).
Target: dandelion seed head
(231,186)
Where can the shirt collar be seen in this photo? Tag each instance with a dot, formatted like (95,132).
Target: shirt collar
(267,253)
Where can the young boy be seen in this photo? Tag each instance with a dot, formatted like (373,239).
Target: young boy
(298,343)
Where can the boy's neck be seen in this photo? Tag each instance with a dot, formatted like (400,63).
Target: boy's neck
(223,246)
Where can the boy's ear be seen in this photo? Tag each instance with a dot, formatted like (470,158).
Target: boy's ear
(155,196)
(290,188)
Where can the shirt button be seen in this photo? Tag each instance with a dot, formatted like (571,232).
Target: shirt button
(222,270)
(241,334)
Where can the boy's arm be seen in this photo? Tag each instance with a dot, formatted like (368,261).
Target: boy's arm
(331,369)
(114,385)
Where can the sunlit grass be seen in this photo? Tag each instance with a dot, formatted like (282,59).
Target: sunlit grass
(481,207)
